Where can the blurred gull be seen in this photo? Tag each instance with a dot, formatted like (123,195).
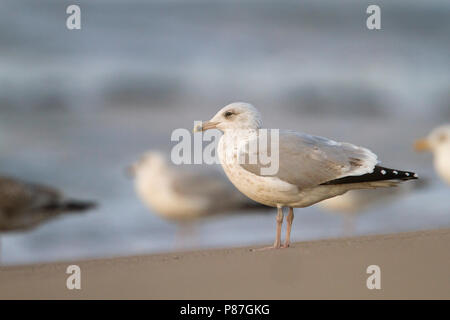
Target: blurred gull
(438,142)
(26,205)
(311,168)
(183,195)
(355,202)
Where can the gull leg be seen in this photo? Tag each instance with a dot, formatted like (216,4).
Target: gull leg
(185,235)
(289,219)
(277,243)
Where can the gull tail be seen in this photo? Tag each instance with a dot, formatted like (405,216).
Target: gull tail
(72,205)
(76,205)
(379,175)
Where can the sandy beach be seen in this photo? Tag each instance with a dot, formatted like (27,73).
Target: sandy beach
(414,265)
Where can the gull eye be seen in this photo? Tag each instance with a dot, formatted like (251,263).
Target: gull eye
(228,114)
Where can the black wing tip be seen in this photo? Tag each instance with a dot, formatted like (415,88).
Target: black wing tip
(396,174)
(379,174)
(75,205)
(70,206)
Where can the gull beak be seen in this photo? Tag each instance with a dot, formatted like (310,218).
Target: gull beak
(206,126)
(422,145)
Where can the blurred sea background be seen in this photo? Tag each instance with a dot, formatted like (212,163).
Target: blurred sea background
(77,107)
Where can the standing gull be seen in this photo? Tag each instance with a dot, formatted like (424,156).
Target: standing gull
(26,205)
(182,195)
(438,142)
(310,168)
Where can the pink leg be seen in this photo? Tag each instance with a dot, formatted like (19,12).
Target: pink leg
(277,243)
(289,220)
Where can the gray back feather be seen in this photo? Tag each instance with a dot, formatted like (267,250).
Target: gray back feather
(307,161)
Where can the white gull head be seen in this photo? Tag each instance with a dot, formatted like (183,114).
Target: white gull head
(235,116)
(149,164)
(437,139)
(438,142)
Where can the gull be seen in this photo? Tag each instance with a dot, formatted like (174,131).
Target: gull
(438,142)
(310,168)
(25,205)
(181,195)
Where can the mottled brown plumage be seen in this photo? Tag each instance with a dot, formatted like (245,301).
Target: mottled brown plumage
(25,205)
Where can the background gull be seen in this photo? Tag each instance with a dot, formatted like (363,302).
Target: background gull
(182,195)
(25,205)
(438,142)
(311,168)
(356,202)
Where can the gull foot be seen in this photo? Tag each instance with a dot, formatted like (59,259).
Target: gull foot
(268,248)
